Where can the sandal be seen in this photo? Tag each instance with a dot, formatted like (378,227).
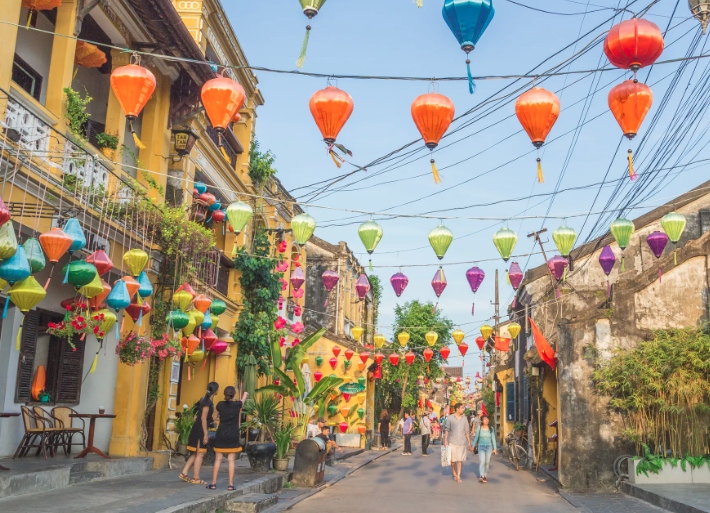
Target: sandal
(198,481)
(212,486)
(183,477)
(230,488)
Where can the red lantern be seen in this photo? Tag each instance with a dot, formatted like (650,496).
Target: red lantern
(394,359)
(136,311)
(349,354)
(343,427)
(630,101)
(317,375)
(222,98)
(133,86)
(633,44)
(333,362)
(432,113)
(409,358)
(480,342)
(331,108)
(206,199)
(538,110)
(336,351)
(364,357)
(101,261)
(209,338)
(428,353)
(444,352)
(463,347)
(346,396)
(378,358)
(218,216)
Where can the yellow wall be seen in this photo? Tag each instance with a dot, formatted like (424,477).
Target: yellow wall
(549,395)
(504,377)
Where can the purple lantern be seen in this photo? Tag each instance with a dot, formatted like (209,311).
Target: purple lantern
(362,286)
(330,280)
(399,282)
(657,242)
(515,275)
(475,277)
(607,261)
(439,282)
(558,267)
(297,278)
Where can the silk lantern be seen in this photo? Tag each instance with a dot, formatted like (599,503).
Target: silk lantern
(201,303)
(480,342)
(428,354)
(514,329)
(379,340)
(657,241)
(4,213)
(133,85)
(207,321)
(330,280)
(403,338)
(349,354)
(504,241)
(332,409)
(438,283)
(558,268)
(218,306)
(364,356)
(538,110)
(319,361)
(515,275)
(440,239)
(222,97)
(73,229)
(25,295)
(303,227)
(458,336)
(96,301)
(399,282)
(131,285)
(93,288)
(336,351)
(35,256)
(607,261)
(622,229)
(209,338)
(356,332)
(101,261)
(432,114)
(409,357)
(394,359)
(16,268)
(343,427)
(310,10)
(239,214)
(463,348)
(370,234)
(629,102)
(55,244)
(79,273)
(474,276)
(135,260)
(633,44)
(362,286)
(177,319)
(8,241)
(673,224)
(182,299)
(297,278)
(379,357)
(486,331)
(145,287)
(564,238)
(444,352)
(333,362)
(219,347)
(331,108)
(431,337)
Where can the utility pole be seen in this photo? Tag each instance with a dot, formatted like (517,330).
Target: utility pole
(496,332)
(544,255)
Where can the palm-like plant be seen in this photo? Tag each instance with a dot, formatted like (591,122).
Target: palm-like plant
(262,414)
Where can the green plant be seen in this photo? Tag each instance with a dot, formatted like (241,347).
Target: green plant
(288,485)
(132,349)
(183,424)
(263,414)
(282,439)
(75,112)
(107,140)
(260,166)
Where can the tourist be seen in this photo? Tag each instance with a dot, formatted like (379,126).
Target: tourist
(476,422)
(199,438)
(425,430)
(485,440)
(330,445)
(457,434)
(384,429)
(315,428)
(399,427)
(227,441)
(407,431)
(435,430)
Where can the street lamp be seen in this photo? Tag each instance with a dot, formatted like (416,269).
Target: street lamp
(185,139)
(701,11)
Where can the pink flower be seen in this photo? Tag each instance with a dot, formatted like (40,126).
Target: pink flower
(282,341)
(279,323)
(297,327)
(282,246)
(298,294)
(295,342)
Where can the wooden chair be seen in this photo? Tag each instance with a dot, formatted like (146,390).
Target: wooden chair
(61,414)
(56,434)
(36,434)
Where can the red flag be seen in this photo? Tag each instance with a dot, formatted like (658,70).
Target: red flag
(502,344)
(483,409)
(547,354)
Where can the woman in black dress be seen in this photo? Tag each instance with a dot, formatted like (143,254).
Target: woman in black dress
(384,430)
(198,439)
(227,440)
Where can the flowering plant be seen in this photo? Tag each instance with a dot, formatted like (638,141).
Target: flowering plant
(133,349)
(167,348)
(77,321)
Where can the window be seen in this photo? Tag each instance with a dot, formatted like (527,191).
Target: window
(26,77)
(63,365)
(510,401)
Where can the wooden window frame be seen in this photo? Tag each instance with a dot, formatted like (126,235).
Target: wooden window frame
(21,64)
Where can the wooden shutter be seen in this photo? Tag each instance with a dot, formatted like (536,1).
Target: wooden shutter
(510,401)
(69,376)
(25,366)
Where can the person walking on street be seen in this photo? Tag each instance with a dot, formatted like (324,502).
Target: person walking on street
(384,430)
(425,429)
(407,431)
(227,441)
(457,434)
(485,440)
(198,439)
(475,422)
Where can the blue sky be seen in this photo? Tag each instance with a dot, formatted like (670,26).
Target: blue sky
(393,37)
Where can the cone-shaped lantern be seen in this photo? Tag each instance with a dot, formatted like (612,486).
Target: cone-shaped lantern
(363,357)
(538,110)
(409,358)
(480,342)
(474,276)
(73,229)
(135,260)
(222,97)
(633,44)
(207,322)
(118,298)
(403,338)
(8,241)
(16,268)
(399,282)
(303,227)
(505,240)
(428,354)
(333,362)
(55,244)
(25,295)
(432,113)
(349,353)
(145,286)
(330,280)
(514,329)
(558,268)
(379,357)
(445,352)
(440,239)
(630,101)
(362,286)
(101,261)
(35,256)
(297,278)
(356,332)
(394,359)
(622,229)
(486,331)
(515,275)
(438,283)
(131,285)
(458,336)
(564,238)
(431,337)
(133,85)
(331,108)
(96,301)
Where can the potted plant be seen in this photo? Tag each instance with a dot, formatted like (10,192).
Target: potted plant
(282,439)
(107,143)
(262,414)
(183,426)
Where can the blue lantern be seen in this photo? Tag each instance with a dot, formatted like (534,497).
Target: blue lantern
(468,20)
(207,321)
(118,298)
(146,287)
(215,206)
(73,229)
(16,268)
(200,188)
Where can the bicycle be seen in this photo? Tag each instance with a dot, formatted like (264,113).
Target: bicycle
(517,454)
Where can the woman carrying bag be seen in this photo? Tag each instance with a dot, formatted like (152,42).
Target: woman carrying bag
(484,443)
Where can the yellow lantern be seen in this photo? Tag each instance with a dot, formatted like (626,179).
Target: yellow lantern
(109,320)
(360,398)
(182,299)
(198,316)
(431,337)
(25,295)
(458,336)
(514,329)
(88,55)
(191,324)
(379,340)
(197,356)
(92,289)
(305,359)
(403,338)
(135,260)
(486,331)
(357,332)
(344,411)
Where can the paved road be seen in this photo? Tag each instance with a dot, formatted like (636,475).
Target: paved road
(417,483)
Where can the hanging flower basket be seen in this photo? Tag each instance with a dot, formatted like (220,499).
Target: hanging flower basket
(133,349)
(167,348)
(77,321)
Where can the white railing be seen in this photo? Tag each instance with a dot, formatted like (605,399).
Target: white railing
(85,167)
(33,132)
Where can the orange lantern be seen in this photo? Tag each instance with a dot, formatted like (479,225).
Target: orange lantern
(331,107)
(202,303)
(88,55)
(132,285)
(222,98)
(95,302)
(55,244)
(39,5)
(630,101)
(538,110)
(633,44)
(133,86)
(192,344)
(361,428)
(432,113)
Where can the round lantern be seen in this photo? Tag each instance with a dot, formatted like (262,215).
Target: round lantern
(55,244)
(622,229)
(222,97)
(133,85)
(331,107)
(16,268)
(218,307)
(409,358)
(88,55)
(108,322)
(303,227)
(379,340)
(633,44)
(403,338)
(177,319)
(432,114)
(458,336)
(504,241)
(564,238)
(431,337)
(370,234)
(135,260)
(79,273)
(673,225)
(239,214)
(219,347)
(189,328)
(514,329)
(93,288)
(486,331)
(440,239)
(399,282)
(629,102)
(35,256)
(538,110)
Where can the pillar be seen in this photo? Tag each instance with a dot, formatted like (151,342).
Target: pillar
(129,407)
(155,135)
(61,69)
(10,13)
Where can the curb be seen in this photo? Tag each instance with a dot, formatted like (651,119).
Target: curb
(658,500)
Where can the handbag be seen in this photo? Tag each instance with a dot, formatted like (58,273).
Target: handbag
(445,456)
(475,449)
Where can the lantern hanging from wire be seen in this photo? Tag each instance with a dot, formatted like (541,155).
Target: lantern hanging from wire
(607,261)
(657,242)
(330,280)
(622,229)
(16,268)
(79,273)
(145,286)
(458,336)
(331,108)
(515,275)
(370,234)
(701,12)
(514,329)
(403,338)
(349,353)
(440,239)
(633,44)
(101,261)
(486,331)
(356,332)
(303,227)
(362,286)
(564,238)
(96,302)
(363,358)
(222,97)
(629,102)
(297,278)
(333,363)
(673,224)
(399,282)
(409,357)
(438,283)
(394,359)
(35,256)
(445,352)
(468,20)
(8,241)
(379,340)
(379,357)
(431,337)
(239,213)
(25,295)
(133,85)
(432,113)
(558,268)
(538,110)
(118,299)
(480,342)
(474,276)
(504,241)
(427,354)
(177,319)
(310,10)
(88,55)
(73,229)
(135,260)
(336,351)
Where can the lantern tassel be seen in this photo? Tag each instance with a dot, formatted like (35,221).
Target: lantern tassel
(189,374)
(473,308)
(540,177)
(4,310)
(66,275)
(326,302)
(675,257)
(435,172)
(304,47)
(118,333)
(51,270)
(660,275)
(608,288)
(507,277)
(18,338)
(435,307)
(564,274)
(29,18)
(136,140)
(632,173)
(623,264)
(370,265)
(224,153)
(139,322)
(204,362)
(335,157)
(557,293)
(94,363)
(471,83)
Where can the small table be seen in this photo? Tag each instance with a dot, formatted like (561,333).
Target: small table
(92,423)
(7,416)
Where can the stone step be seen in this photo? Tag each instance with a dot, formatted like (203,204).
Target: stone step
(251,503)
(83,477)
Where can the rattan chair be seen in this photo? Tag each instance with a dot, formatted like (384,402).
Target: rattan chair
(61,416)
(57,435)
(37,434)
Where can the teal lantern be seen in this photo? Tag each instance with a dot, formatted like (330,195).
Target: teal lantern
(564,238)
(505,240)
(440,239)
(73,229)
(303,227)
(218,307)
(673,224)
(79,273)
(35,255)
(16,268)
(145,288)
(207,321)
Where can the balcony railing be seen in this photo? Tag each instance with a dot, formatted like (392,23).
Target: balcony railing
(227,148)
(26,129)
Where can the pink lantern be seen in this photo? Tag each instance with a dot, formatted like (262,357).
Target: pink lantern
(362,286)
(333,363)
(438,283)
(218,347)
(317,375)
(330,280)
(399,282)
(209,338)
(558,267)
(475,277)
(346,396)
(297,278)
(515,275)
(343,427)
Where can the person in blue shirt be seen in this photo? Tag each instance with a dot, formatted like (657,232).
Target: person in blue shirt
(407,431)
(485,439)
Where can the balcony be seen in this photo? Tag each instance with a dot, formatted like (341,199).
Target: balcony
(27,130)
(231,153)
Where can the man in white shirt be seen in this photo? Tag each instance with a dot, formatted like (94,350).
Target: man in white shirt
(425,428)
(315,429)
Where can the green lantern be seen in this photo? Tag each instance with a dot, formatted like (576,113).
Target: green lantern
(177,319)
(505,240)
(347,363)
(361,380)
(361,413)
(673,224)
(35,255)
(370,234)
(440,239)
(622,230)
(239,214)
(218,307)
(332,409)
(79,273)
(319,361)
(303,227)
(564,238)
